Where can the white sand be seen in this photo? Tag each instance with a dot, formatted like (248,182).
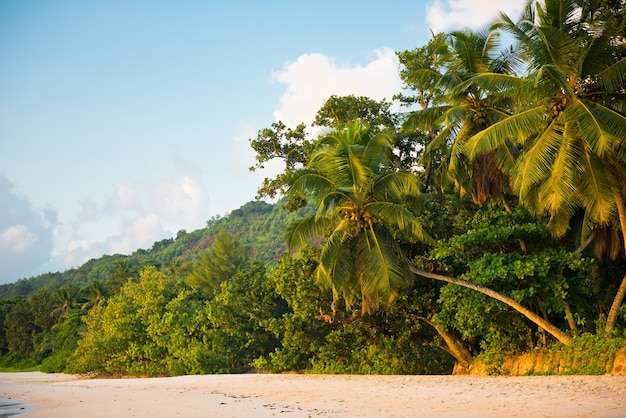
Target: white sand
(290,395)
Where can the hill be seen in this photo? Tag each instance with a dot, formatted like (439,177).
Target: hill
(257,224)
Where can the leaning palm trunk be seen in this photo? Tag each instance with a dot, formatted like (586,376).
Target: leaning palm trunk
(541,322)
(621,292)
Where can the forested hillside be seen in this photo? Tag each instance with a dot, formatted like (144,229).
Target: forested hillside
(257,224)
(485,220)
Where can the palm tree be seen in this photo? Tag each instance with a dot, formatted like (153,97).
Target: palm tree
(363,208)
(572,128)
(64,301)
(462,110)
(94,294)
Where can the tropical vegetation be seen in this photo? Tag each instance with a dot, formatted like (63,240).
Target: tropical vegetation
(487,218)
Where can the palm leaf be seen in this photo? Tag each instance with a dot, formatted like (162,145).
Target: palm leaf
(595,190)
(309,181)
(559,185)
(535,164)
(394,186)
(495,83)
(384,272)
(305,230)
(516,128)
(613,77)
(591,128)
(398,216)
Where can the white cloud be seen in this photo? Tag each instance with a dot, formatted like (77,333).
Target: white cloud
(446,15)
(124,196)
(17,239)
(26,234)
(141,232)
(313,78)
(79,251)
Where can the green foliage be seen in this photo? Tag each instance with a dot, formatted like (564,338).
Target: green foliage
(588,354)
(139,328)
(240,314)
(514,256)
(361,202)
(388,342)
(549,116)
(380,344)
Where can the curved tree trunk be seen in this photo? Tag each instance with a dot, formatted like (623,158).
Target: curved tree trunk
(455,346)
(617,303)
(554,331)
(621,292)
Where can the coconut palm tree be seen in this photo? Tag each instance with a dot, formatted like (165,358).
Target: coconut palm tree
(364,206)
(572,128)
(462,110)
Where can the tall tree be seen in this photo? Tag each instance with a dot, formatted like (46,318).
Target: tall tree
(572,127)
(420,71)
(363,207)
(293,146)
(461,110)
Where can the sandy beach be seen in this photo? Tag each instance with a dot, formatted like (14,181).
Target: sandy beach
(294,395)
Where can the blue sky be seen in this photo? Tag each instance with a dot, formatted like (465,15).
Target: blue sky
(122,122)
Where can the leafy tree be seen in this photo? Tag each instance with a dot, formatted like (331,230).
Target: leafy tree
(294,146)
(150,327)
(300,330)
(362,208)
(548,278)
(239,315)
(290,145)
(420,70)
(64,300)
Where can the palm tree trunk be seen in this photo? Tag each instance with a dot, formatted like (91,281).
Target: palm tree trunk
(549,327)
(427,173)
(621,292)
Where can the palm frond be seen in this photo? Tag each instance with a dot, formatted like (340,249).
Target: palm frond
(494,82)
(591,128)
(309,181)
(384,272)
(305,230)
(613,77)
(438,143)
(376,149)
(535,163)
(399,217)
(595,190)
(559,185)
(336,268)
(515,128)
(425,118)
(393,187)
(614,121)
(424,77)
